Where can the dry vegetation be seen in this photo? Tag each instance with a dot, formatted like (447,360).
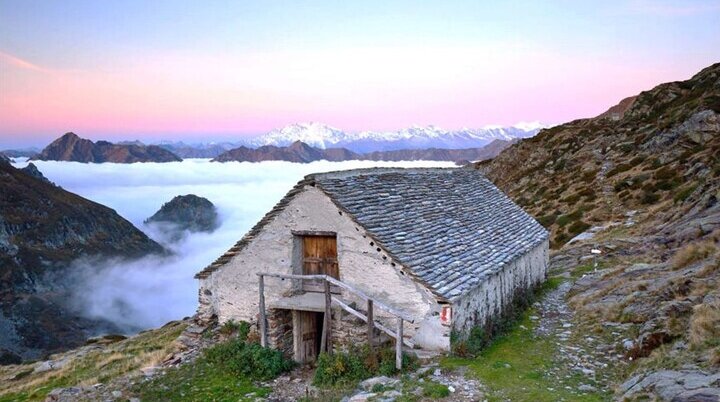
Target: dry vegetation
(92,364)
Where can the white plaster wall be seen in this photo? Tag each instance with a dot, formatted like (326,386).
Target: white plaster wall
(232,291)
(497,290)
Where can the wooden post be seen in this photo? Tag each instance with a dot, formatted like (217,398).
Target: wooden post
(370,323)
(398,344)
(263,318)
(327,325)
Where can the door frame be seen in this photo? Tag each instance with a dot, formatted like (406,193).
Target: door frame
(298,354)
(298,257)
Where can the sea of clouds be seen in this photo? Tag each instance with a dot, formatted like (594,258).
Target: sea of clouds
(154,290)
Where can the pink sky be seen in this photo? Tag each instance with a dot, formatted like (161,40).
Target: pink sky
(196,70)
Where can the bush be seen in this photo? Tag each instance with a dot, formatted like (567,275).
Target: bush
(435,390)
(229,327)
(347,368)
(705,325)
(665,173)
(547,220)
(693,252)
(649,197)
(472,345)
(684,193)
(578,227)
(248,359)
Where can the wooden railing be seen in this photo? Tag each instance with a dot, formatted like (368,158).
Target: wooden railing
(326,340)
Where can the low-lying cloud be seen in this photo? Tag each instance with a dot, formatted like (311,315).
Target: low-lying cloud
(153,290)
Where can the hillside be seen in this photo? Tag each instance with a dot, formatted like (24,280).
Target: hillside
(70,147)
(643,178)
(42,229)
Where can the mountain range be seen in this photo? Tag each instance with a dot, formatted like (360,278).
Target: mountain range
(71,147)
(301,152)
(323,136)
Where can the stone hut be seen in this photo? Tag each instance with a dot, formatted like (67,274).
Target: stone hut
(443,246)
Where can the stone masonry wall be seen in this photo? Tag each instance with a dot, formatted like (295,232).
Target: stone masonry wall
(496,294)
(280,331)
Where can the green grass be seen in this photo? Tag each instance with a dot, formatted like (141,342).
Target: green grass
(514,368)
(202,381)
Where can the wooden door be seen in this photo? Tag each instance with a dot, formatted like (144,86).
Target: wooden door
(308,327)
(319,258)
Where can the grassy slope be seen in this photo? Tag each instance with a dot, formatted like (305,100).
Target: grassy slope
(515,366)
(20,383)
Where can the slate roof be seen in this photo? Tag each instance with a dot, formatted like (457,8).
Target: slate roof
(450,227)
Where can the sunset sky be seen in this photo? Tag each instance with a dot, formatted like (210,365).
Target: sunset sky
(211,70)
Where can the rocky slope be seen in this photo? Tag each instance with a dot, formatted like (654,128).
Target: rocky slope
(300,152)
(43,228)
(186,213)
(70,147)
(640,183)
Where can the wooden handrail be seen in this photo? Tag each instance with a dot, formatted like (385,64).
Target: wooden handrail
(343,285)
(326,343)
(379,326)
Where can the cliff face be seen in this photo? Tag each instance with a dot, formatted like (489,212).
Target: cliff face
(70,147)
(43,228)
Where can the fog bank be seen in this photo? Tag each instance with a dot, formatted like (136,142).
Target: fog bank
(151,291)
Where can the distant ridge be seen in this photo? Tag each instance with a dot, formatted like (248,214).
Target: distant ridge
(301,152)
(71,147)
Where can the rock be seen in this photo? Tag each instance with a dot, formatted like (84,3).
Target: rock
(33,171)
(672,385)
(362,397)
(586,388)
(116,394)
(451,388)
(186,213)
(368,384)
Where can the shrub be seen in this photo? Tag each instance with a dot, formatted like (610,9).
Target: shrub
(229,327)
(684,193)
(346,368)
(705,325)
(665,173)
(578,227)
(547,220)
(248,359)
(589,176)
(693,252)
(623,167)
(649,197)
(435,390)
(471,346)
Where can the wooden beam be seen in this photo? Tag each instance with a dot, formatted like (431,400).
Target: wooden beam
(343,285)
(398,344)
(379,326)
(370,324)
(328,318)
(263,318)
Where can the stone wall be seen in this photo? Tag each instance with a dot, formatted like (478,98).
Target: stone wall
(280,331)
(498,291)
(231,292)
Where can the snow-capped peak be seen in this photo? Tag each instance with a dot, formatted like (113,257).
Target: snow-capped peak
(415,137)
